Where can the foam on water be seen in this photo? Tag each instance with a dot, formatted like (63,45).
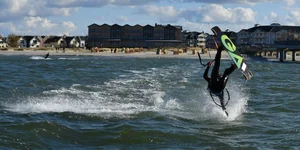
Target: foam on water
(235,107)
(95,103)
(238,102)
(60,58)
(69,58)
(39,58)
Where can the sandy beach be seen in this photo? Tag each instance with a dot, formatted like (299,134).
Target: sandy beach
(144,54)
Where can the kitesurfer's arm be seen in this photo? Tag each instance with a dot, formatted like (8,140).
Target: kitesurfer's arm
(205,75)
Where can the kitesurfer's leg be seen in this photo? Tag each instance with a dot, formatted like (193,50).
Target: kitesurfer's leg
(215,71)
(229,70)
(221,97)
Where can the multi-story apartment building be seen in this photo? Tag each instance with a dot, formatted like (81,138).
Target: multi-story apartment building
(191,38)
(268,35)
(201,40)
(134,36)
(98,35)
(148,33)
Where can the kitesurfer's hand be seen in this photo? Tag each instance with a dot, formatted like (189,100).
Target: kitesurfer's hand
(210,63)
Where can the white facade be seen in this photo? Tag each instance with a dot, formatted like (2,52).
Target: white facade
(74,42)
(3,43)
(201,40)
(34,42)
(22,42)
(82,42)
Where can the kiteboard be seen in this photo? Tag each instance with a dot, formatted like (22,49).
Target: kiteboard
(237,58)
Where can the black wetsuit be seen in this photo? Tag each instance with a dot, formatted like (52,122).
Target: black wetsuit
(217,83)
(47,55)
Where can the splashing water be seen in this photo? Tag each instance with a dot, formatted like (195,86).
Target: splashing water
(136,92)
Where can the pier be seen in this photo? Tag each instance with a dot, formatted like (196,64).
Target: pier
(279,50)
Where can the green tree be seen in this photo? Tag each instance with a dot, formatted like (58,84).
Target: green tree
(12,40)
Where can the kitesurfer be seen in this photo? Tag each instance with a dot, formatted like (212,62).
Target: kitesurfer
(217,82)
(47,55)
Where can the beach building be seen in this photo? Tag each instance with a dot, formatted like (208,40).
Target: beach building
(54,41)
(24,41)
(194,39)
(65,41)
(3,42)
(74,41)
(82,41)
(34,42)
(42,39)
(190,38)
(201,38)
(134,36)
(262,35)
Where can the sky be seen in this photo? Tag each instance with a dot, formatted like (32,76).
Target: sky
(72,17)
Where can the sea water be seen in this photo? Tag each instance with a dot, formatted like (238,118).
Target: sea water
(95,102)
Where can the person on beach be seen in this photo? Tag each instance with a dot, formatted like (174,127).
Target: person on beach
(217,82)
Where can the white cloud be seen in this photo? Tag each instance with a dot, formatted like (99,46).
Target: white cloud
(12,10)
(290,2)
(293,17)
(33,16)
(194,18)
(97,3)
(122,19)
(206,27)
(17,5)
(165,14)
(272,17)
(214,13)
(8,26)
(39,26)
(32,22)
(47,24)
(18,9)
(247,2)
(69,24)
(68,28)
(38,22)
